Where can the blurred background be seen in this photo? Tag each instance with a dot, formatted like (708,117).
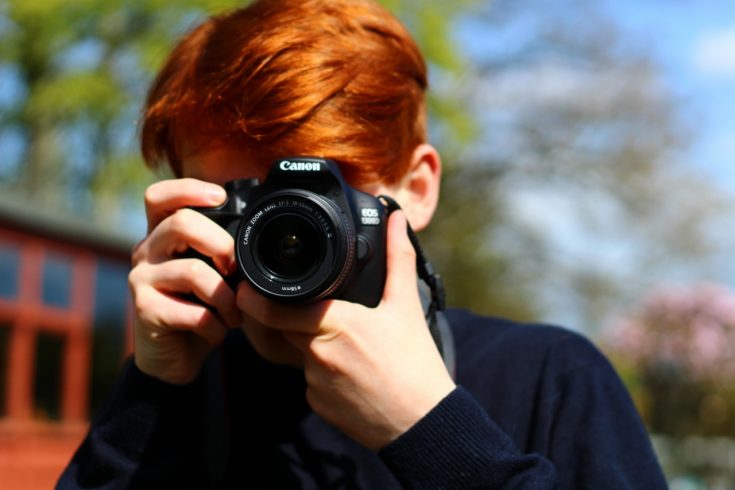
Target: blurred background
(589,182)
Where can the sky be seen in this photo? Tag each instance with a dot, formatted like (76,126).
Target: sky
(694,44)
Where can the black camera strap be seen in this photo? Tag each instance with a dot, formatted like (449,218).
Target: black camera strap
(435,304)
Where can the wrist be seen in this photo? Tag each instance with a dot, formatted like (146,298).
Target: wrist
(410,409)
(164,374)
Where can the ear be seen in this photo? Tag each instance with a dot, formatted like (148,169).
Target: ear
(418,190)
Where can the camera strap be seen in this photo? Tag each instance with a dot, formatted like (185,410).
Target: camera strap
(435,304)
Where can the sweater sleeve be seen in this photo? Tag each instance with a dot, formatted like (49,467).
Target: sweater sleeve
(457,446)
(584,432)
(147,436)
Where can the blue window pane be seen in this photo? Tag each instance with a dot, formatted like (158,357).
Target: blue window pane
(9,269)
(57,276)
(110,315)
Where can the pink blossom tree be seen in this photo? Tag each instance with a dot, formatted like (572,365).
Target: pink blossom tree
(677,354)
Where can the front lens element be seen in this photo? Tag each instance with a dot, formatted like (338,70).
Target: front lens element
(290,247)
(295,245)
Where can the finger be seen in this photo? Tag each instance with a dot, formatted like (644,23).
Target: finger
(311,318)
(401,259)
(163,198)
(187,229)
(193,276)
(164,314)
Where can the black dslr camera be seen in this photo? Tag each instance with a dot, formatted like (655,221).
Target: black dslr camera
(305,235)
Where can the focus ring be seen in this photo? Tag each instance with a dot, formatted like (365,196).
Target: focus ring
(337,248)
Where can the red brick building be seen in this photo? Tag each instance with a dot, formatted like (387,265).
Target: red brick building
(64,313)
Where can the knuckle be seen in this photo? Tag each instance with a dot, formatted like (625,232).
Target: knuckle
(134,279)
(177,221)
(324,357)
(142,302)
(195,269)
(139,252)
(180,221)
(138,277)
(152,193)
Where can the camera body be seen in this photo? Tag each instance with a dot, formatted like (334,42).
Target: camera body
(305,235)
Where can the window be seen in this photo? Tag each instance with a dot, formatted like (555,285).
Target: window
(9,267)
(57,280)
(47,384)
(110,316)
(57,277)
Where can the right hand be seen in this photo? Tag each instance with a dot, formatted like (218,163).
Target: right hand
(173,336)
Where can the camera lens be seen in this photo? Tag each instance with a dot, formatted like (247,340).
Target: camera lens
(295,245)
(289,247)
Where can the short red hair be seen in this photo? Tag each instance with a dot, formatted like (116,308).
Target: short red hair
(340,79)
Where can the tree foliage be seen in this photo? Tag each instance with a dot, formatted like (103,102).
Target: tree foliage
(677,350)
(77,73)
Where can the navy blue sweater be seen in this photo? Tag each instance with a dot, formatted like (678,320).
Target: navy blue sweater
(536,407)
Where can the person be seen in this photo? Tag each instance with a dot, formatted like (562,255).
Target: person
(233,390)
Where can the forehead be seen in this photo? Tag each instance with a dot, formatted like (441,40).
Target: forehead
(221,163)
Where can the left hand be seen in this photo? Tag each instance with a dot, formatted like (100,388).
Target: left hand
(371,372)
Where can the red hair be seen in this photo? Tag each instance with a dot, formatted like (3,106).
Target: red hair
(340,79)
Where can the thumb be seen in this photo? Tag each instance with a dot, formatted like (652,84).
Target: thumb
(401,259)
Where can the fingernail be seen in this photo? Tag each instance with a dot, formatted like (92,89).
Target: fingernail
(215,193)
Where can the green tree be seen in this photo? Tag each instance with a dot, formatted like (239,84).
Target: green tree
(78,73)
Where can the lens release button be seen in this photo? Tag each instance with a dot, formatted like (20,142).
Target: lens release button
(364,249)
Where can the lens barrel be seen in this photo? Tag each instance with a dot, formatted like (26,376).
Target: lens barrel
(296,245)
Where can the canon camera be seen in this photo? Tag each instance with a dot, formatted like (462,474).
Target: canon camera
(304,235)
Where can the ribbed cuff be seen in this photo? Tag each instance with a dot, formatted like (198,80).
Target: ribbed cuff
(456,445)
